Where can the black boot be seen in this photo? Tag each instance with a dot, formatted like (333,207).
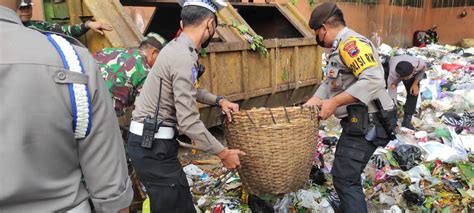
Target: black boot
(407,122)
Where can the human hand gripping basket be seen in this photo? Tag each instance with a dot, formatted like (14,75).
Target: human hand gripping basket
(280,144)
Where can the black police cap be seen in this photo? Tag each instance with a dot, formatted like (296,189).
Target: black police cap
(321,14)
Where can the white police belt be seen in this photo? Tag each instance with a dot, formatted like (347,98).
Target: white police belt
(164,132)
(84,207)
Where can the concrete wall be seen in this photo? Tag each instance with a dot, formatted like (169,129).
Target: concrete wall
(451,27)
(394,25)
(38,10)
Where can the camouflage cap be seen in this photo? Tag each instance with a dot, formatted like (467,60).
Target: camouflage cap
(155,40)
(321,14)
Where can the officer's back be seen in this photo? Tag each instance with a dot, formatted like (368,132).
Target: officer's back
(41,162)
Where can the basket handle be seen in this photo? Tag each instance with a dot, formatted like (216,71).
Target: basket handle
(251,121)
(271,113)
(286,114)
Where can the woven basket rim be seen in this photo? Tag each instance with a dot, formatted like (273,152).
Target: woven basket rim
(261,109)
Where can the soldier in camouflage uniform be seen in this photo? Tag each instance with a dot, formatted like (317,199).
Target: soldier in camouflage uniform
(25,12)
(125,69)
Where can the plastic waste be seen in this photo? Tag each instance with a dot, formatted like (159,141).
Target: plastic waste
(325,206)
(467,142)
(283,205)
(407,156)
(203,201)
(146,206)
(258,205)
(442,133)
(452,185)
(192,170)
(395,209)
(385,49)
(421,136)
(330,141)
(418,172)
(308,198)
(334,200)
(412,198)
(317,176)
(386,199)
(452,67)
(445,153)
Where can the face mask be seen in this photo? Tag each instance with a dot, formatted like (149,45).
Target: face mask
(321,42)
(206,43)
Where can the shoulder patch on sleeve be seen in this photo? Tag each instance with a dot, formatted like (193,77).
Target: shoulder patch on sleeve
(357,55)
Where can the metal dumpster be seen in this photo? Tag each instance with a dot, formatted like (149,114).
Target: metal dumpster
(288,75)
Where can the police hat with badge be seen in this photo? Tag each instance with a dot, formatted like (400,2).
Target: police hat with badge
(212,5)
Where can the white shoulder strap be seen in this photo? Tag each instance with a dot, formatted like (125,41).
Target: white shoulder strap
(79,93)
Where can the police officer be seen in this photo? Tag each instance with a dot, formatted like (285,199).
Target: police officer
(59,148)
(172,84)
(355,78)
(25,12)
(410,70)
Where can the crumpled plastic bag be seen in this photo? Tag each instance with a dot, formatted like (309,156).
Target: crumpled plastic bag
(193,170)
(418,172)
(407,156)
(413,198)
(308,198)
(317,175)
(452,67)
(282,206)
(443,152)
(387,199)
(258,205)
(325,207)
(334,201)
(385,49)
(467,141)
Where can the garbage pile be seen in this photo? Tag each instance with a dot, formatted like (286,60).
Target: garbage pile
(427,169)
(220,191)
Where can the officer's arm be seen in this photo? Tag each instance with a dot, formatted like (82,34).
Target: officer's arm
(323,90)
(421,68)
(359,57)
(392,82)
(75,30)
(66,29)
(205,97)
(320,94)
(101,154)
(186,109)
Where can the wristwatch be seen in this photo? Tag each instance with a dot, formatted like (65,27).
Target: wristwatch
(218,99)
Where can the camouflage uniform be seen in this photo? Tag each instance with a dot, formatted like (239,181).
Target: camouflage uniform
(124,70)
(75,30)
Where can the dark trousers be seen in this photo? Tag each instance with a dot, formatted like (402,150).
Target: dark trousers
(352,154)
(160,172)
(410,104)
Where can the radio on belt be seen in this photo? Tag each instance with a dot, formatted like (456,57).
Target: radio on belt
(151,125)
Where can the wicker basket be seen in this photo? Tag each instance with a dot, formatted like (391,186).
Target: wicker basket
(279,143)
